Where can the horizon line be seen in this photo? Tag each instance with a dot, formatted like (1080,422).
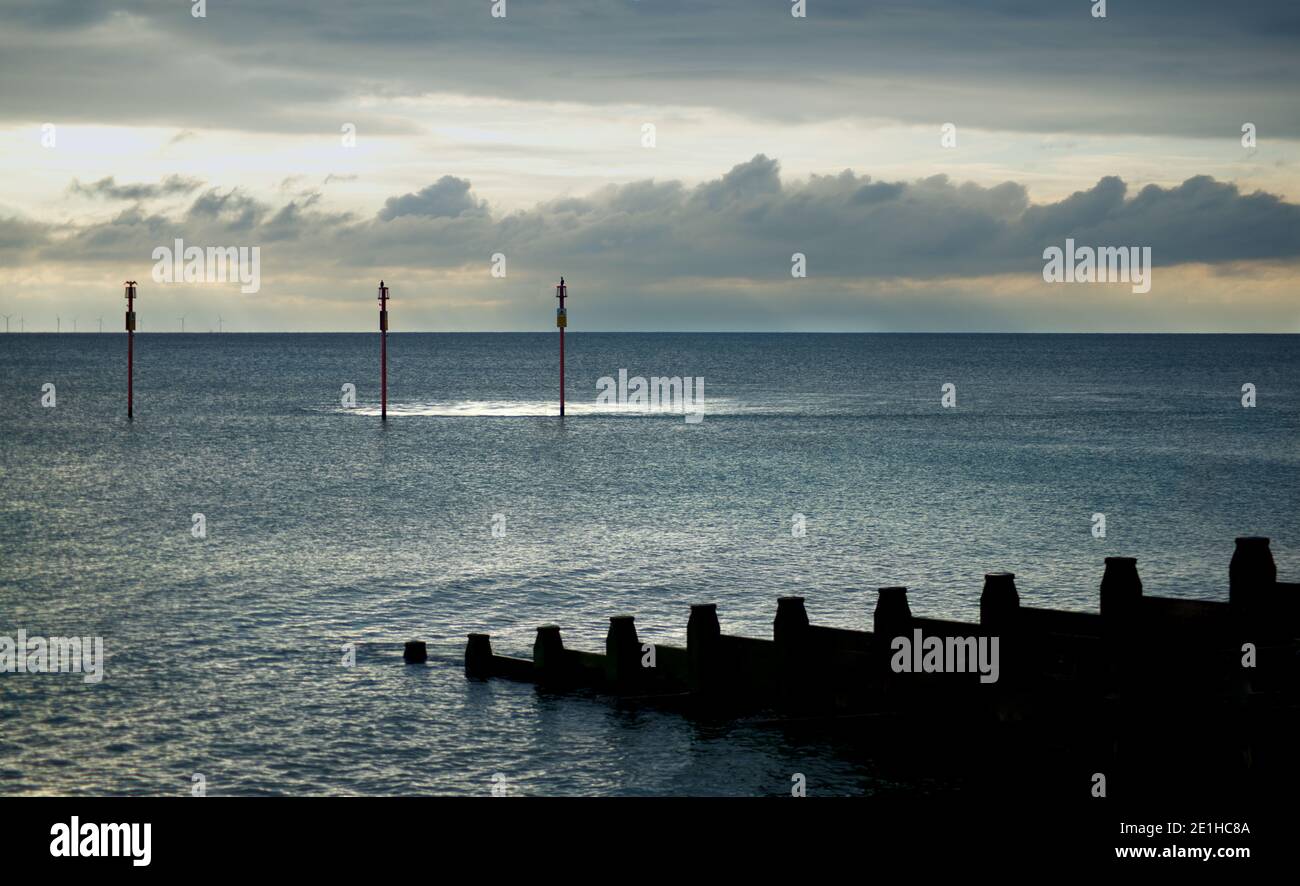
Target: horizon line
(655,332)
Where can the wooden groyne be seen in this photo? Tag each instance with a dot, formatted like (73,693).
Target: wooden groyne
(1133,640)
(1143,672)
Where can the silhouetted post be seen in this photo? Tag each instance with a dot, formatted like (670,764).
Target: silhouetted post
(790,632)
(383,351)
(702,639)
(1127,661)
(622,653)
(1252,577)
(893,617)
(130,349)
(561,320)
(999,615)
(478,656)
(1121,591)
(416,652)
(548,654)
(999,601)
(791,622)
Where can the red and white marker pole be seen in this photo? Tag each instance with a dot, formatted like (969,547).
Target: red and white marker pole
(130,349)
(383,351)
(561,320)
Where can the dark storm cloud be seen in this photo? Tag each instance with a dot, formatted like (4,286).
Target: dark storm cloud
(743,225)
(1184,67)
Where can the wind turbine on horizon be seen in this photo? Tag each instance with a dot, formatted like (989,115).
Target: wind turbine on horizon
(182,319)
(7,316)
(101,324)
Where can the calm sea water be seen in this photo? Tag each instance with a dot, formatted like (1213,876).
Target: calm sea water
(325,527)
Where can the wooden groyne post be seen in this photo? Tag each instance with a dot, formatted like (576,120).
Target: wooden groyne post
(999,601)
(892,617)
(623,655)
(548,656)
(478,656)
(1121,591)
(703,633)
(790,634)
(1252,578)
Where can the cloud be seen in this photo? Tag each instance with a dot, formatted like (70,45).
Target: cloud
(1000,64)
(55,15)
(234,210)
(448,197)
(108,188)
(741,226)
(19,240)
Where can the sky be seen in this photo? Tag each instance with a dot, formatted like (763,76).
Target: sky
(670,159)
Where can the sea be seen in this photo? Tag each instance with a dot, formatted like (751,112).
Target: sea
(253,551)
